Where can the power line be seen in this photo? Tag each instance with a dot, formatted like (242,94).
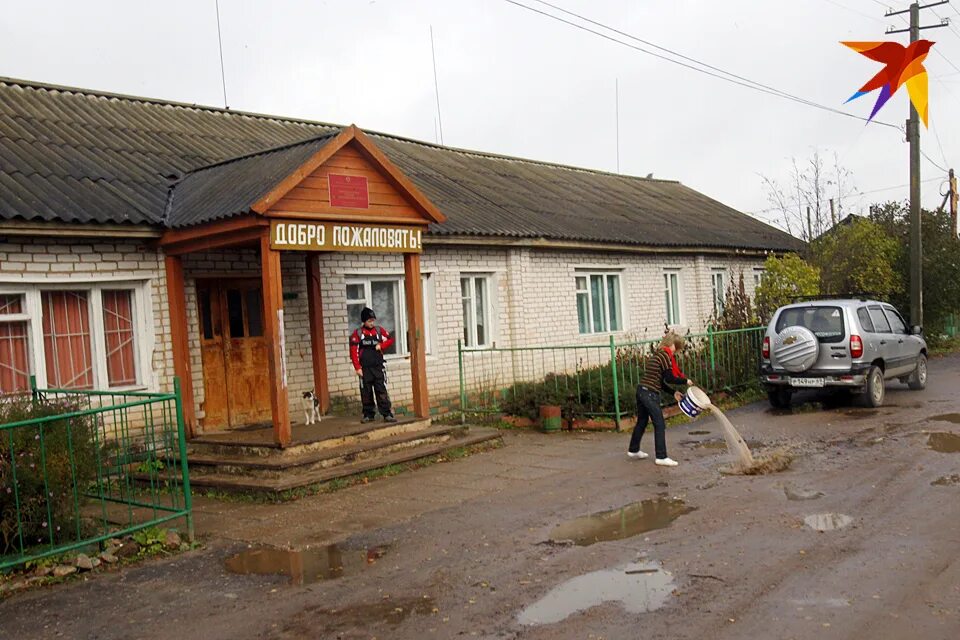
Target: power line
(858,193)
(851,10)
(733,78)
(223,76)
(436,85)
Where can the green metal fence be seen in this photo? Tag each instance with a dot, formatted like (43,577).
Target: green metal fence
(597,381)
(86,466)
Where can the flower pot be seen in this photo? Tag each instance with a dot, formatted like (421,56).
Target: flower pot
(550,419)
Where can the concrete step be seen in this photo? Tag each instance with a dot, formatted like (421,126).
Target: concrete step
(278,466)
(352,434)
(294,480)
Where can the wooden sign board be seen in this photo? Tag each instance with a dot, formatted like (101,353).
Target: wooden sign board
(350,192)
(334,236)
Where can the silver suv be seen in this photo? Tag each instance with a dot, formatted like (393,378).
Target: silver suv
(853,344)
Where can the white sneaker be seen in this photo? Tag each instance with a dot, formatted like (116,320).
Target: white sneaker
(639,455)
(666,462)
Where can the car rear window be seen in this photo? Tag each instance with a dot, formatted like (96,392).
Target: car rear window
(825,322)
(865,320)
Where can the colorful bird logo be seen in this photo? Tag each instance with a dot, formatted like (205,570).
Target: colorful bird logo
(904,65)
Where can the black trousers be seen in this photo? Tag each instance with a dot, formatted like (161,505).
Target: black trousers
(648,408)
(373,392)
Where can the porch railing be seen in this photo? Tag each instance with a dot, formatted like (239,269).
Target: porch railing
(88,466)
(599,380)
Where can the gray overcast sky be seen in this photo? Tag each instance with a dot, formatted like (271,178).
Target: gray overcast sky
(517,83)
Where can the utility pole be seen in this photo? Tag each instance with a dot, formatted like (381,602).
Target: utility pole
(913,137)
(953,203)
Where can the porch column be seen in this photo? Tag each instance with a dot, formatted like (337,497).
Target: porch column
(273,331)
(318,345)
(177,304)
(415,333)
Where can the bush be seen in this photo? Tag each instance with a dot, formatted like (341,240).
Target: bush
(42,508)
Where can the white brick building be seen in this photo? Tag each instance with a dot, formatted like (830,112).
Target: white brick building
(101,200)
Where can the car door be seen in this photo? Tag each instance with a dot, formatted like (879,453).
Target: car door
(887,347)
(906,349)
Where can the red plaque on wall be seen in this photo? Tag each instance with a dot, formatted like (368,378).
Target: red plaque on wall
(349,191)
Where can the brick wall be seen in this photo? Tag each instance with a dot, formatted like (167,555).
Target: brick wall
(533,297)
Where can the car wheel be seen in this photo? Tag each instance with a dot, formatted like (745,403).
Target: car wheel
(779,398)
(873,390)
(918,379)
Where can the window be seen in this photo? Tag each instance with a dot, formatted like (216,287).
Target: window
(598,302)
(14,357)
(671,295)
(477,314)
(865,321)
(879,320)
(72,337)
(757,278)
(66,339)
(385,295)
(897,325)
(118,334)
(824,322)
(719,290)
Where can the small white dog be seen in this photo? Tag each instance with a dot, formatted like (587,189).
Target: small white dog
(311,407)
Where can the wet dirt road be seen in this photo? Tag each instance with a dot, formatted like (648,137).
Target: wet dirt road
(859,539)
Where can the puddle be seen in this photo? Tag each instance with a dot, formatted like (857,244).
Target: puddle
(827,521)
(307,566)
(639,588)
(796,493)
(946,481)
(943,442)
(947,417)
(699,432)
(625,522)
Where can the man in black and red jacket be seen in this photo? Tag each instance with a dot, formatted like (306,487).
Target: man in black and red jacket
(367,345)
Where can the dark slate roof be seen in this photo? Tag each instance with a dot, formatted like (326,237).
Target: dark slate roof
(76,155)
(231,187)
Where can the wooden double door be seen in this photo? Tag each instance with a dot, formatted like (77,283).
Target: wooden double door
(236,378)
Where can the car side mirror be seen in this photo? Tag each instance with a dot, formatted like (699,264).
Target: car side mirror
(916,330)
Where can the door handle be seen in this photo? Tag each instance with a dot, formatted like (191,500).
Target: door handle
(883,342)
(901,341)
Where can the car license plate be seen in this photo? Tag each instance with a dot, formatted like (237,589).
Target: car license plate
(806,382)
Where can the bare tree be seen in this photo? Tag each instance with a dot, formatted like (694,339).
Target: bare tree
(806,204)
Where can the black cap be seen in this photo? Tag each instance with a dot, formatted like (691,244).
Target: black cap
(366,314)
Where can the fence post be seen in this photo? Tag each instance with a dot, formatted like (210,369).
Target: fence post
(33,388)
(463,384)
(184,472)
(616,383)
(713,357)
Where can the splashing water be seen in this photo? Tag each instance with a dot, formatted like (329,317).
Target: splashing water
(735,443)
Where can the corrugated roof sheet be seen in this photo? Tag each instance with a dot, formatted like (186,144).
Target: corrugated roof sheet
(232,187)
(82,156)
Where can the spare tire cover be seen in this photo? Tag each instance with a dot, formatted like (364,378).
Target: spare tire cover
(796,349)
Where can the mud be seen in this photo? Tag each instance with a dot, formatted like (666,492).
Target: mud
(638,588)
(772,462)
(947,417)
(798,494)
(946,481)
(827,521)
(699,432)
(304,567)
(943,442)
(625,522)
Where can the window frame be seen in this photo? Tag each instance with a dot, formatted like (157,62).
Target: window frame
(143,329)
(667,273)
(20,318)
(719,301)
(588,274)
(470,339)
(400,329)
